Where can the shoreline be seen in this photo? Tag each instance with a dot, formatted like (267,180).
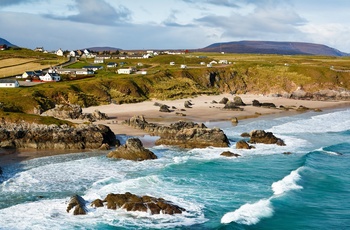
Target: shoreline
(203,110)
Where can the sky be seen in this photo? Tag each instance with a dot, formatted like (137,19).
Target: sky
(172,24)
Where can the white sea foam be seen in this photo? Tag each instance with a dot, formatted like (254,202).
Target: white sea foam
(288,183)
(331,122)
(249,214)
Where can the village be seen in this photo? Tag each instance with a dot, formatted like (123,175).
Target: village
(112,60)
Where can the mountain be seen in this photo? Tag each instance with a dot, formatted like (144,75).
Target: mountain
(101,49)
(269,47)
(5,42)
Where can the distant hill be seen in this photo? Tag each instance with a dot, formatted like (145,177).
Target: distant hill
(101,49)
(269,47)
(5,42)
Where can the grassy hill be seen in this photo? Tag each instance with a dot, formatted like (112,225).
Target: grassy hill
(15,61)
(261,74)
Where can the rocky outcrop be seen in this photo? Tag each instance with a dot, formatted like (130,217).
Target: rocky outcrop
(70,111)
(183,134)
(260,136)
(321,95)
(78,203)
(223,101)
(231,105)
(164,109)
(229,154)
(132,202)
(188,104)
(264,104)
(242,145)
(238,101)
(132,150)
(38,136)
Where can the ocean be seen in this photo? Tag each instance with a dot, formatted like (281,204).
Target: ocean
(263,189)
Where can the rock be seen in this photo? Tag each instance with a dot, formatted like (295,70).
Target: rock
(260,136)
(132,150)
(232,106)
(132,202)
(268,105)
(317,110)
(72,111)
(214,102)
(183,134)
(234,120)
(245,135)
(256,103)
(164,108)
(302,108)
(188,104)
(242,145)
(97,203)
(229,154)
(287,153)
(223,101)
(238,101)
(78,203)
(38,136)
(1,171)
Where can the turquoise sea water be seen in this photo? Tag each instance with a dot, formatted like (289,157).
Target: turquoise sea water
(262,189)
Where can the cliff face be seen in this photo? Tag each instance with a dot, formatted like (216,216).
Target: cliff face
(35,136)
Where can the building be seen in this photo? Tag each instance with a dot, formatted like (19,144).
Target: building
(8,83)
(75,71)
(59,52)
(93,67)
(3,47)
(126,71)
(111,65)
(98,60)
(31,74)
(51,75)
(183,66)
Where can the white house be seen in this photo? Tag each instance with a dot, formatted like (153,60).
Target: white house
(92,67)
(172,63)
(126,71)
(8,83)
(73,53)
(36,73)
(183,66)
(223,62)
(111,65)
(52,75)
(99,60)
(75,71)
(59,52)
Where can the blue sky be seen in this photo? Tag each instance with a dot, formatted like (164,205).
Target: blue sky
(172,24)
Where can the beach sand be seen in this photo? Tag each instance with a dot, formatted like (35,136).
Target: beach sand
(203,110)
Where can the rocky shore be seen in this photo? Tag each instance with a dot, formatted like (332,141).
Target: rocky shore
(36,136)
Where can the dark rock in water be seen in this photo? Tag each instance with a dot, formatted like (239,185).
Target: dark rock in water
(164,108)
(132,150)
(232,106)
(229,154)
(223,101)
(245,135)
(97,203)
(132,202)
(242,145)
(183,134)
(38,136)
(188,104)
(260,136)
(287,153)
(78,203)
(238,101)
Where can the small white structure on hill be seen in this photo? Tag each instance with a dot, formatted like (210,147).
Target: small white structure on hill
(51,75)
(126,71)
(8,83)
(59,52)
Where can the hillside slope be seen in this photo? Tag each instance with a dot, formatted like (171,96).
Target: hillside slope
(5,42)
(269,47)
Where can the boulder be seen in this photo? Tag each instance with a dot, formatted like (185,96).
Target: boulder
(132,150)
(132,202)
(223,101)
(188,104)
(229,154)
(164,109)
(238,101)
(242,145)
(260,136)
(230,105)
(183,134)
(78,203)
(256,103)
(245,135)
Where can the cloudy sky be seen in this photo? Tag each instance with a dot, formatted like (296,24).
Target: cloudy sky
(172,24)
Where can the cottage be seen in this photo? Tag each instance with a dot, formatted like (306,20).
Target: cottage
(59,52)
(39,49)
(93,68)
(31,74)
(99,60)
(8,83)
(75,71)
(73,53)
(126,71)
(51,75)
(111,65)
(183,66)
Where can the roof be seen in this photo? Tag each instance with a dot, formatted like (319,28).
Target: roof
(8,81)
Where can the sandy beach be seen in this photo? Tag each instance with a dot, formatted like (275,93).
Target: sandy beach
(202,110)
